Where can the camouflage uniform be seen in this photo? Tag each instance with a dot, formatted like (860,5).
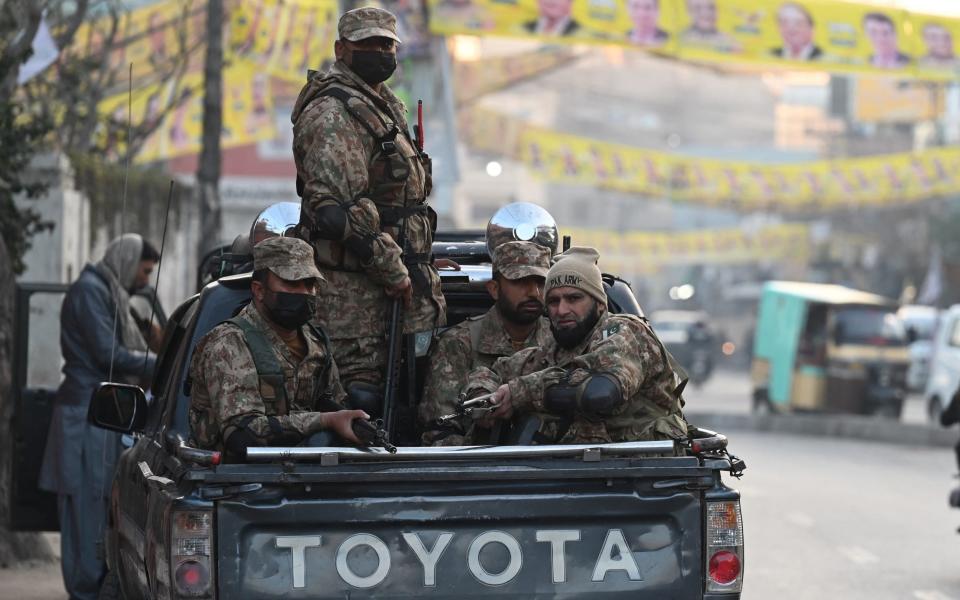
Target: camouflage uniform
(360,175)
(476,342)
(228,393)
(621,345)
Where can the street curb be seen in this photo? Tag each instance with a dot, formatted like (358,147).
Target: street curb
(874,429)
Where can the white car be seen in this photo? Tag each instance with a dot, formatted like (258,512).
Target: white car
(921,323)
(945,363)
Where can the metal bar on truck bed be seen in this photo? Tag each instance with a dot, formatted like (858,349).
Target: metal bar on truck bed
(461,452)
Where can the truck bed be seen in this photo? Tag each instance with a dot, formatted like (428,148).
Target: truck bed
(540,527)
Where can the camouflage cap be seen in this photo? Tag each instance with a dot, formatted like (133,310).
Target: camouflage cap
(287,257)
(367,22)
(514,260)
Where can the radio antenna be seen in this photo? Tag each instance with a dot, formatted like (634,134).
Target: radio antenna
(123,212)
(156,292)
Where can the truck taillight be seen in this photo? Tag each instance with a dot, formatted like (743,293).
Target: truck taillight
(724,559)
(191,545)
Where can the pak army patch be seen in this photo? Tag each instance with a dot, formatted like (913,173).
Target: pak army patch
(611,329)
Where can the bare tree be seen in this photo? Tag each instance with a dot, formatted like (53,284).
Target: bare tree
(94,68)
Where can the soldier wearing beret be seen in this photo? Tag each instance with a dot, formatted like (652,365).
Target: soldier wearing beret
(363,181)
(515,322)
(600,377)
(259,378)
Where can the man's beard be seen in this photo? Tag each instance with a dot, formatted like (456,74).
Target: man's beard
(573,336)
(516,314)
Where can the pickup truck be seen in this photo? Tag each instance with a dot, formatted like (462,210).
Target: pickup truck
(646,519)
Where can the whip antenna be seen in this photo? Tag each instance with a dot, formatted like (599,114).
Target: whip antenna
(156,292)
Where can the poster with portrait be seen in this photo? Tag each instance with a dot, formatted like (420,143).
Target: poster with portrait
(823,34)
(935,46)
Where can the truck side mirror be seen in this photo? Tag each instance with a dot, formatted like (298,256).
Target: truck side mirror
(118,407)
(912,334)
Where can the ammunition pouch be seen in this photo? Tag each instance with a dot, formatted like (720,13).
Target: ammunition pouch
(366,397)
(389,172)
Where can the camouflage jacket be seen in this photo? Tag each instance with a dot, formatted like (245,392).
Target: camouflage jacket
(339,163)
(476,342)
(226,389)
(621,345)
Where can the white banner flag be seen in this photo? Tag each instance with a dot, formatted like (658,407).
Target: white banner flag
(45,52)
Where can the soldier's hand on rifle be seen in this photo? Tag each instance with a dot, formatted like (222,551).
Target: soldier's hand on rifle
(340,423)
(403,290)
(503,401)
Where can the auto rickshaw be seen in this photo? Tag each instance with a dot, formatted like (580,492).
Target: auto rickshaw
(828,348)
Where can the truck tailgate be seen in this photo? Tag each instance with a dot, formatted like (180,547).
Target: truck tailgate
(637,535)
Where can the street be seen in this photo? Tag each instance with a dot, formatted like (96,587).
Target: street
(824,518)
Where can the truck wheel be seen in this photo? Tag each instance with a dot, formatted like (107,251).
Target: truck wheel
(934,409)
(110,588)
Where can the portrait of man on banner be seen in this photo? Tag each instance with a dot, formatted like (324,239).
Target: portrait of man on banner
(939,47)
(796,32)
(554,19)
(645,17)
(703,30)
(882,33)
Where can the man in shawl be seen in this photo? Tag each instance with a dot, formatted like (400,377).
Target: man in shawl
(96,328)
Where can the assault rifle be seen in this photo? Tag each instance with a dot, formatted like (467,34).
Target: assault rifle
(395,329)
(475,408)
(372,434)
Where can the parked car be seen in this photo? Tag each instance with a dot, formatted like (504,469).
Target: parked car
(944,363)
(921,324)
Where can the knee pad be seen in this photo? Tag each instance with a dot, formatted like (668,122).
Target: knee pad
(366,397)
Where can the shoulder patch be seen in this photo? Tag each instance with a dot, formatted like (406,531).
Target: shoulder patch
(611,329)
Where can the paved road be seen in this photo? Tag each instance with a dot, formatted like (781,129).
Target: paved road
(827,518)
(729,392)
(824,518)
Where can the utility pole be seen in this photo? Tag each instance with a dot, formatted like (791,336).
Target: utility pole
(208,170)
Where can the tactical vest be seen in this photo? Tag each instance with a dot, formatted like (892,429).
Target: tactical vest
(387,175)
(273,390)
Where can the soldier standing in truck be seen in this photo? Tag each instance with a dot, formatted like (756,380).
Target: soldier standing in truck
(364,185)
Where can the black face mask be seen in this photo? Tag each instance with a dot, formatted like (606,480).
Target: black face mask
(290,311)
(373,66)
